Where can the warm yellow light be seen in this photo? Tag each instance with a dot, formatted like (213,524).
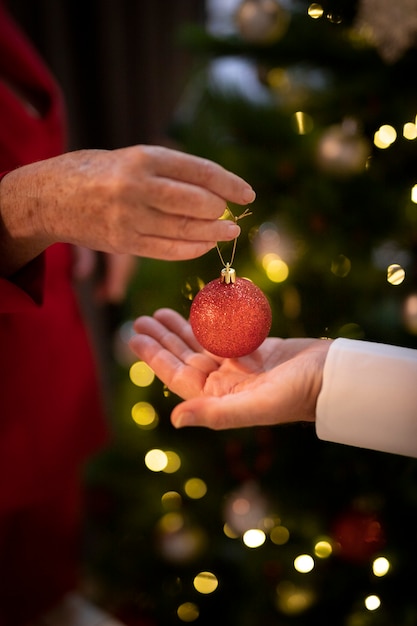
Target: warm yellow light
(380,566)
(173,462)
(171,500)
(141,374)
(372,603)
(323,549)
(195,488)
(378,141)
(293,600)
(410,131)
(144,415)
(229,532)
(395,274)
(414,194)
(315,10)
(188,612)
(302,122)
(156,460)
(387,133)
(341,266)
(171,522)
(206,582)
(279,535)
(304,563)
(253,538)
(276,269)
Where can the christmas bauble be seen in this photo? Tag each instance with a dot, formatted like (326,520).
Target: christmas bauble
(230,319)
(261,21)
(342,150)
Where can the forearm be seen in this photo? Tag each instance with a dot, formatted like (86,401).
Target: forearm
(21,235)
(369,397)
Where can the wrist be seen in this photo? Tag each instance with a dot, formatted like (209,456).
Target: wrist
(21,235)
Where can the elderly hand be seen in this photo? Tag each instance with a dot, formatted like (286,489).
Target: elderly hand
(142,200)
(277,383)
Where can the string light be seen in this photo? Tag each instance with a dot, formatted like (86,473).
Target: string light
(323,549)
(141,374)
(254,538)
(395,274)
(410,131)
(302,122)
(380,566)
(195,488)
(279,535)
(372,603)
(385,136)
(205,582)
(315,11)
(188,612)
(156,460)
(304,563)
(144,415)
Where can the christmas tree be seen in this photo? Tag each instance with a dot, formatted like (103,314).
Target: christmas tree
(315,105)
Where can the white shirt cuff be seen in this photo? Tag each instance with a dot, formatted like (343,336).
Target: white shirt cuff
(369,397)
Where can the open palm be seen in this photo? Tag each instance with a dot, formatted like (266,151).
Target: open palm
(277,383)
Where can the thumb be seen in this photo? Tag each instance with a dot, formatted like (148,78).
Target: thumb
(218,413)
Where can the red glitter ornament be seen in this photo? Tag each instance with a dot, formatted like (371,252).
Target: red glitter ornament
(230,316)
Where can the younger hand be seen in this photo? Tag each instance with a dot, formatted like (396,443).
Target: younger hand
(277,383)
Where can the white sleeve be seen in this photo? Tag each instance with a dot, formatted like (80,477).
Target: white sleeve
(369,397)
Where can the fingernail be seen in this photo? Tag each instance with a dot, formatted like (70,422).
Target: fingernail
(184,419)
(248,195)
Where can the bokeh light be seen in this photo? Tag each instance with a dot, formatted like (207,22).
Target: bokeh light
(372,603)
(171,500)
(188,612)
(144,415)
(156,460)
(302,123)
(304,563)
(323,548)
(254,538)
(341,266)
(195,488)
(276,269)
(381,566)
(385,136)
(173,463)
(205,582)
(395,274)
(315,10)
(410,131)
(292,599)
(279,535)
(141,374)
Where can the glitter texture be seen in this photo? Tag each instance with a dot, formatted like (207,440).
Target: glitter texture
(230,320)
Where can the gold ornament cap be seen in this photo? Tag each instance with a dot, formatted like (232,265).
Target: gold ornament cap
(228,274)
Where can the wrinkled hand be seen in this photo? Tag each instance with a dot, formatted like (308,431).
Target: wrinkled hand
(143,200)
(277,383)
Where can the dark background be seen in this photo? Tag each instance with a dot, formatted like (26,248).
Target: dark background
(119,62)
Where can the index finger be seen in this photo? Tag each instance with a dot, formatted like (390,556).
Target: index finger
(201,172)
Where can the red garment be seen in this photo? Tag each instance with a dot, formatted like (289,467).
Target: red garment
(50,406)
